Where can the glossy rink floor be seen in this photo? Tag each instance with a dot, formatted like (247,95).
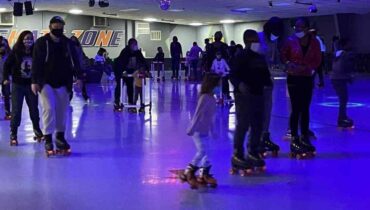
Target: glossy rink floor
(121,160)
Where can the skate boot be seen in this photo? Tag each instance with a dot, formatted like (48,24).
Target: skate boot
(240,166)
(118,107)
(38,135)
(13,138)
(297,150)
(142,110)
(49,147)
(288,135)
(268,146)
(256,162)
(63,147)
(8,116)
(189,176)
(346,123)
(86,97)
(206,178)
(306,142)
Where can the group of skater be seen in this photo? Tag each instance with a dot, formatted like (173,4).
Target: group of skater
(250,74)
(46,69)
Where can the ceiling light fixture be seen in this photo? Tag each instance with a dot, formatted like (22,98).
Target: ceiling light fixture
(150,19)
(75,11)
(2,9)
(227,21)
(176,10)
(129,10)
(196,24)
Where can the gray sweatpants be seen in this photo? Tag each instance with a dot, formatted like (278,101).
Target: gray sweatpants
(54,102)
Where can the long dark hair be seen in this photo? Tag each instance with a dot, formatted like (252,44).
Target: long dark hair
(210,81)
(19,47)
(4,43)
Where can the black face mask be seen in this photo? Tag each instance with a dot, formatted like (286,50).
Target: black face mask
(57,32)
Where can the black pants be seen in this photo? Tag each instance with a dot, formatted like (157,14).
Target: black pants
(225,86)
(5,91)
(194,69)
(320,72)
(249,114)
(175,67)
(340,87)
(129,82)
(19,93)
(300,91)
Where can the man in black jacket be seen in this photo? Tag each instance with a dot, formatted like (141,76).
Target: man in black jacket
(249,75)
(55,63)
(129,60)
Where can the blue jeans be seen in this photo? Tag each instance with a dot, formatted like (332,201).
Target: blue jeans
(202,144)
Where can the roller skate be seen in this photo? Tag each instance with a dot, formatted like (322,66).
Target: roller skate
(63,148)
(240,166)
(205,178)
(132,110)
(268,146)
(49,147)
(118,107)
(256,162)
(38,135)
(189,176)
(142,110)
(288,135)
(13,139)
(297,150)
(8,116)
(306,142)
(345,124)
(86,97)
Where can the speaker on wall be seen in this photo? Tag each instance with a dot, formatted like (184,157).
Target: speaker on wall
(18,9)
(28,7)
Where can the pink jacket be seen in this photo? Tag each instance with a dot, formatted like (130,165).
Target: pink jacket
(202,121)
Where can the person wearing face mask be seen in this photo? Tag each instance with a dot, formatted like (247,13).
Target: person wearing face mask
(55,64)
(220,67)
(176,55)
(5,88)
(270,39)
(249,75)
(129,60)
(18,65)
(301,54)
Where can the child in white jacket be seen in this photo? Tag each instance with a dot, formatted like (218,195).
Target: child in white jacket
(220,67)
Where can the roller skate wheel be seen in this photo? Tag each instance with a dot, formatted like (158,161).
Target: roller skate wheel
(233,171)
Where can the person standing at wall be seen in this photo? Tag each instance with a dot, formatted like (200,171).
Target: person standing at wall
(55,64)
(129,60)
(301,54)
(205,57)
(81,57)
(341,76)
(176,55)
(194,53)
(5,88)
(270,39)
(18,66)
(249,75)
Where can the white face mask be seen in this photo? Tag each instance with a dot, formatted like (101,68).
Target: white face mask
(256,47)
(300,34)
(273,37)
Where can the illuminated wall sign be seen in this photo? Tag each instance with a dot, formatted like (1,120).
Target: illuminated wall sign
(88,38)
